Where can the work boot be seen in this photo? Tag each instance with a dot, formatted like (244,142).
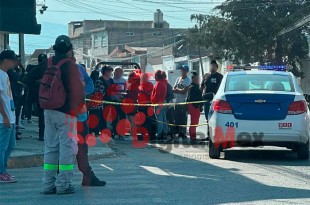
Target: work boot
(49,192)
(69,190)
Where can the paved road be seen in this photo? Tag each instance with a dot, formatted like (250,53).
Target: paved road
(186,175)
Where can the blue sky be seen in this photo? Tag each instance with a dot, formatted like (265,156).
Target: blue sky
(60,12)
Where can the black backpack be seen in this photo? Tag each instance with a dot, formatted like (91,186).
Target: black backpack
(170,95)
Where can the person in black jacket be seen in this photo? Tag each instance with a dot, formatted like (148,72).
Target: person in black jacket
(17,87)
(31,94)
(32,81)
(194,95)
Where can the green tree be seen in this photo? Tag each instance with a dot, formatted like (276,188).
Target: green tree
(249,30)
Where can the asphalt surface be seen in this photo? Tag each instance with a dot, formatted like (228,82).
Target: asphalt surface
(184,175)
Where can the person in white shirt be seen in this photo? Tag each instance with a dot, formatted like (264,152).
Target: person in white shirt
(180,111)
(8,60)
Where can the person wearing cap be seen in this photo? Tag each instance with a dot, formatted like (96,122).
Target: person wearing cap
(60,124)
(210,86)
(180,111)
(60,148)
(8,60)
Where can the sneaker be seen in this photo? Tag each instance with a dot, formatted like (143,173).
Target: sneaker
(21,127)
(193,142)
(69,190)
(12,177)
(5,178)
(128,138)
(184,139)
(49,192)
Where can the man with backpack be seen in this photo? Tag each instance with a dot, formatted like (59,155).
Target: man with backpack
(61,94)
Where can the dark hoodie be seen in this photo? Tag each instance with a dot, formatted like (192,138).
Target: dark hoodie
(159,92)
(194,95)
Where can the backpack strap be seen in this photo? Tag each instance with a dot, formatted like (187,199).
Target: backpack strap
(50,62)
(63,61)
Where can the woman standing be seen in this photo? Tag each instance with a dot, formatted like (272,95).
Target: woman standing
(96,106)
(194,109)
(158,97)
(132,96)
(144,97)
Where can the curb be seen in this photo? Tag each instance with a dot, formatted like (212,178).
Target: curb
(36,160)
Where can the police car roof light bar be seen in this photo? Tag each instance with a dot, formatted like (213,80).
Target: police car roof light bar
(261,67)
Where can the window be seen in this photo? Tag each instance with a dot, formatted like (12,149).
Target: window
(130,34)
(96,42)
(158,33)
(104,40)
(260,82)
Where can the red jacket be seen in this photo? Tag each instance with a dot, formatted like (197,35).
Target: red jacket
(145,92)
(159,92)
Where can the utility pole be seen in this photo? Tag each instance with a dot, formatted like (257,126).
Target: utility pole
(21,43)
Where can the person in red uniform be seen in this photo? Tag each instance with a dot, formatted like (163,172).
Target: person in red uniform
(194,109)
(132,96)
(144,97)
(158,97)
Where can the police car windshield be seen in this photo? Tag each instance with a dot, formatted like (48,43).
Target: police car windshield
(259,82)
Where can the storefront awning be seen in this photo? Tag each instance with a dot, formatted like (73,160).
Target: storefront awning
(18,16)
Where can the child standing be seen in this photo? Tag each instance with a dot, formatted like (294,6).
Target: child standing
(194,95)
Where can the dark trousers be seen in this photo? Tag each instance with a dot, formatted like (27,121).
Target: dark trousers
(18,107)
(170,120)
(82,155)
(101,124)
(148,123)
(120,115)
(41,122)
(180,118)
(27,110)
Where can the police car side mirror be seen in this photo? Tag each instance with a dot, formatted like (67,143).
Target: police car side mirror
(307,97)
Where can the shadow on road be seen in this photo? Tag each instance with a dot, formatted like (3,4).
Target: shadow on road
(219,185)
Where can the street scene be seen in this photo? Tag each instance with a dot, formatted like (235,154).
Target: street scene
(154,102)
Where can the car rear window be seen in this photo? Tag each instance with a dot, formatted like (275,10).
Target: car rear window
(259,82)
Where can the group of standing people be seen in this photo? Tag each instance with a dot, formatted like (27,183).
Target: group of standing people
(61,86)
(73,107)
(170,120)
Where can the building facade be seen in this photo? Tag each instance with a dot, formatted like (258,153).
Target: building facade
(97,40)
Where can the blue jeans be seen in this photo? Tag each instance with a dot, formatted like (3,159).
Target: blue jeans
(162,126)
(207,109)
(7,144)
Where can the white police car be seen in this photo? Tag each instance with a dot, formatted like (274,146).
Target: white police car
(260,107)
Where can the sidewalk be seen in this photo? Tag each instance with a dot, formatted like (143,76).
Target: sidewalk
(29,151)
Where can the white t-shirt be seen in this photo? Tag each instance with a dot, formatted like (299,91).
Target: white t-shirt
(182,83)
(7,97)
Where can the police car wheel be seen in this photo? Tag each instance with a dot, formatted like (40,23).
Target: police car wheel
(214,153)
(303,151)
